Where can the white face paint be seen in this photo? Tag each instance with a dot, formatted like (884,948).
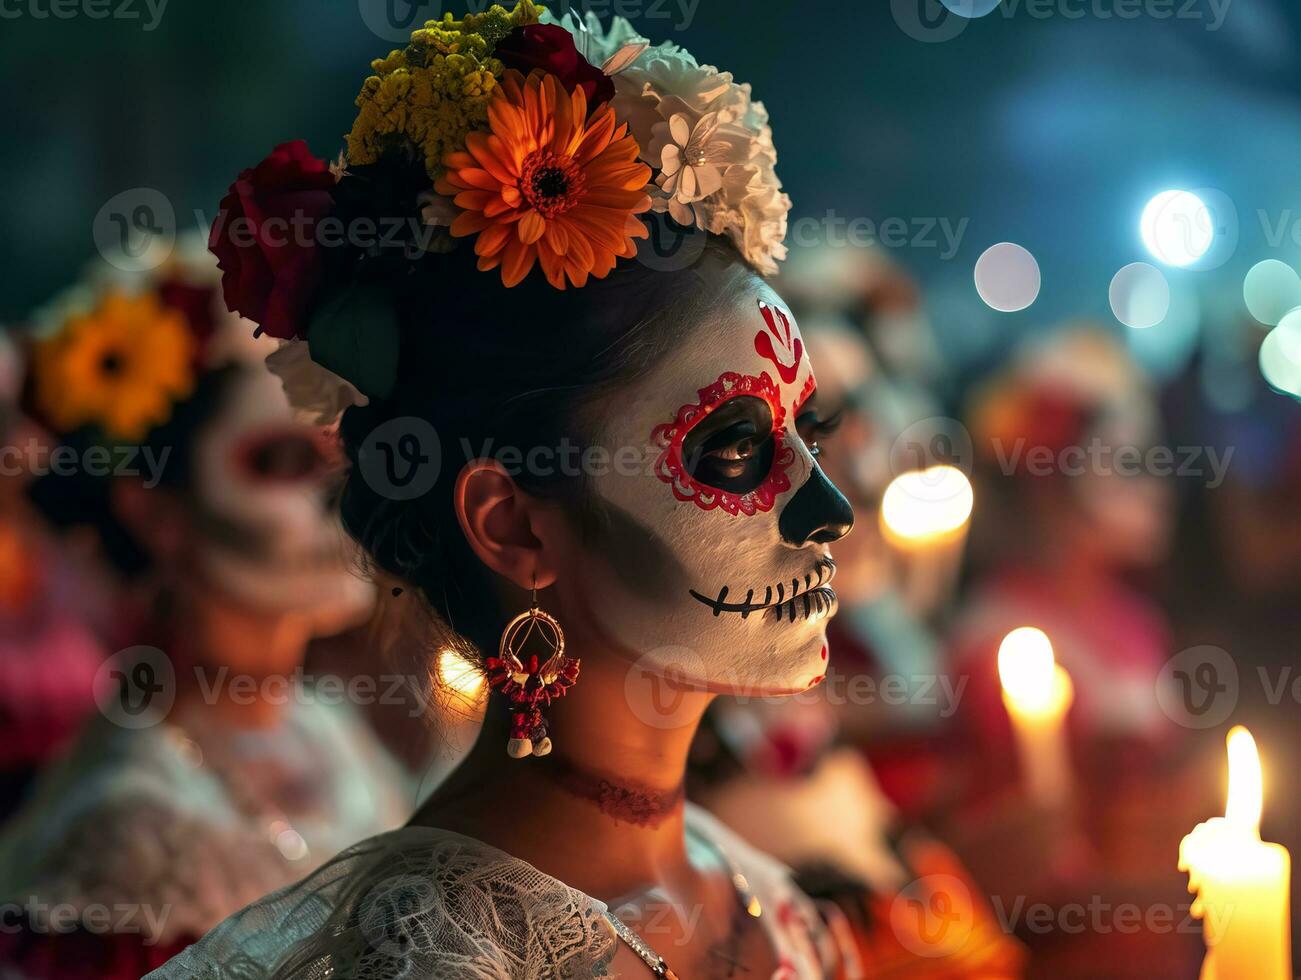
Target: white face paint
(717,570)
(262,482)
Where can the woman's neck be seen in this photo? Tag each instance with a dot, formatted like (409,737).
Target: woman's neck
(604,812)
(234,666)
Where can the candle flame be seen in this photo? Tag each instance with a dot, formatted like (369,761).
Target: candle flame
(1245,783)
(923,504)
(1032,679)
(1026,666)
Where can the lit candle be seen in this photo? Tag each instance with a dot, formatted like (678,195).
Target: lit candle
(925,515)
(1037,692)
(922,508)
(1241,882)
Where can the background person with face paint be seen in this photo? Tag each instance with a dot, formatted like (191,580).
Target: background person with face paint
(688,556)
(208,778)
(1068,536)
(51,609)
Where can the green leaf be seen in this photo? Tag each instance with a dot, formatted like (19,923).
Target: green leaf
(354,333)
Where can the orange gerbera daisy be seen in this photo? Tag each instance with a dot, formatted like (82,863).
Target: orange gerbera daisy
(122,366)
(547,183)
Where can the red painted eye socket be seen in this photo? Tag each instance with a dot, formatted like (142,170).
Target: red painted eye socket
(742,495)
(289,455)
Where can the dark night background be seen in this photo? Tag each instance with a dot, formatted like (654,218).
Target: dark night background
(1048,131)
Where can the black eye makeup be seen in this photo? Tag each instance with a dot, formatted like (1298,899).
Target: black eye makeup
(278,456)
(813,426)
(732,449)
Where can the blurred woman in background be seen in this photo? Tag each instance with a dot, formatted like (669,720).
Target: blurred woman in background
(53,607)
(1075,518)
(214,774)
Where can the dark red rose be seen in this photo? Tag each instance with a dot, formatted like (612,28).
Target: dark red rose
(551,48)
(265,242)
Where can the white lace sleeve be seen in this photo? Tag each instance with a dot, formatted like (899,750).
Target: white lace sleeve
(417,903)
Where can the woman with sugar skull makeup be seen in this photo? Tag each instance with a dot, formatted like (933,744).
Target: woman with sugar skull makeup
(607,594)
(209,777)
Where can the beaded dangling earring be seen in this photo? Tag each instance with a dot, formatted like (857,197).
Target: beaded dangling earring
(531,678)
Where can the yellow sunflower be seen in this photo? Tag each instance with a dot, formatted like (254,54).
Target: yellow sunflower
(122,367)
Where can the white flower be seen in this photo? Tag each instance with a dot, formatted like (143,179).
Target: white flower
(689,164)
(318,396)
(704,134)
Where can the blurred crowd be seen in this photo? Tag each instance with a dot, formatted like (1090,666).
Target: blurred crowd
(159,494)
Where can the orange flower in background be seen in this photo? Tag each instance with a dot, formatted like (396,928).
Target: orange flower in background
(547,184)
(122,366)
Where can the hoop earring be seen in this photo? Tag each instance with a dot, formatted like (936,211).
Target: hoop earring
(530,682)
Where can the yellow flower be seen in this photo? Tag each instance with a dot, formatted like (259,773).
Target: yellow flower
(427,97)
(122,366)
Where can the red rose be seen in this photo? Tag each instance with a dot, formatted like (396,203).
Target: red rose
(551,48)
(265,242)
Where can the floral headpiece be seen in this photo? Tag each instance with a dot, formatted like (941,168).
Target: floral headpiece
(543,140)
(118,351)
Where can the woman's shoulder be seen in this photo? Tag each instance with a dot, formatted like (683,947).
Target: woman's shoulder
(791,917)
(418,901)
(763,872)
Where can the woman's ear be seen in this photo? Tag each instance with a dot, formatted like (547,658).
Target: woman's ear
(503,524)
(156,517)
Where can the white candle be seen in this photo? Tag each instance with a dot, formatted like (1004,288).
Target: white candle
(1037,692)
(1241,882)
(925,515)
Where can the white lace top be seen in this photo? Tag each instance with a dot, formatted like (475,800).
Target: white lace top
(191,825)
(429,904)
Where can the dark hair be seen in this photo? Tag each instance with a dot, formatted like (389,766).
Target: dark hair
(81,498)
(490,367)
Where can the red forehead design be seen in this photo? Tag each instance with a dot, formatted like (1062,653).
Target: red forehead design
(777,342)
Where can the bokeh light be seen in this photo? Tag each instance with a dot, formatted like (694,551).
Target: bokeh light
(1280,355)
(971,8)
(922,505)
(1139,295)
(1026,665)
(1270,289)
(1007,277)
(460,675)
(1177,227)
